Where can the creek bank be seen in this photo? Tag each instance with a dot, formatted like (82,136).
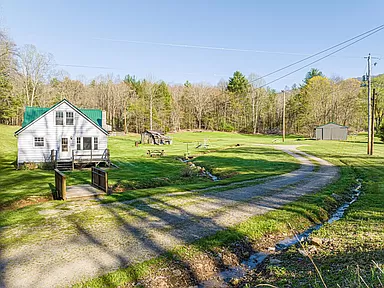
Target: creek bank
(200,170)
(232,275)
(232,266)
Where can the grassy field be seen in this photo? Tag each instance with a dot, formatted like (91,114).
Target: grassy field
(352,246)
(349,247)
(15,184)
(139,175)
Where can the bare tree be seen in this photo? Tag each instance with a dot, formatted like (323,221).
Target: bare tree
(200,98)
(177,109)
(255,92)
(149,93)
(34,69)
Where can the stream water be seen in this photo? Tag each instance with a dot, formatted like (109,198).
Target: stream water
(203,172)
(258,258)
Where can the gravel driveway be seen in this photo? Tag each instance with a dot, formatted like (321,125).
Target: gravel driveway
(155,225)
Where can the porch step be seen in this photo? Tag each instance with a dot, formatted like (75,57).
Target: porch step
(64,165)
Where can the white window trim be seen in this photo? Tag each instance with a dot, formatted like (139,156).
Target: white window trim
(81,143)
(93,143)
(34,142)
(73,118)
(65,118)
(68,144)
(62,118)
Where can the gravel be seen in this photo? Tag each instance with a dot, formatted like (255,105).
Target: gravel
(168,221)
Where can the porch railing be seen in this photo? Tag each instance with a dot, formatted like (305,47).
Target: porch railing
(91,155)
(83,156)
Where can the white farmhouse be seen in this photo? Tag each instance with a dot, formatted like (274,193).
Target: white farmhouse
(64,135)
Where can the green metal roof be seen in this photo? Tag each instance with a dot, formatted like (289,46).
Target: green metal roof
(32,113)
(94,114)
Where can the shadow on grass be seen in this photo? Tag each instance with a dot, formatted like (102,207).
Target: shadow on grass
(147,235)
(53,191)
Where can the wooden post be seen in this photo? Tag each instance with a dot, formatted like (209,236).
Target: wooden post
(369,151)
(106,182)
(373,120)
(64,187)
(91,153)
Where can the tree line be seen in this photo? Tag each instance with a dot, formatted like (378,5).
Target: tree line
(29,77)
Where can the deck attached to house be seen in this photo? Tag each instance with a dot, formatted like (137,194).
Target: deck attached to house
(80,158)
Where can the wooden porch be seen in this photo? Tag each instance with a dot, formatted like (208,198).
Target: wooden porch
(82,157)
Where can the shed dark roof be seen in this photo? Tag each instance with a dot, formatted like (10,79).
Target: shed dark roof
(153,132)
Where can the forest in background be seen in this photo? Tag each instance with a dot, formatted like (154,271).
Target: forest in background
(29,77)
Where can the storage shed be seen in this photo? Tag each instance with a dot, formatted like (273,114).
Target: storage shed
(331,131)
(155,137)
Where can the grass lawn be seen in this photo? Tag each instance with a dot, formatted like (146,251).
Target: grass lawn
(15,184)
(351,244)
(345,258)
(139,175)
(349,248)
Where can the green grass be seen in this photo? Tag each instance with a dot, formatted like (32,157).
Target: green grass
(137,171)
(355,240)
(300,215)
(18,184)
(139,175)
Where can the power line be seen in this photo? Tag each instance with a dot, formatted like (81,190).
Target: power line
(198,46)
(177,45)
(326,56)
(374,30)
(87,66)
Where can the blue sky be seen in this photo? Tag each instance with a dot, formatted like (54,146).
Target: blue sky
(75,32)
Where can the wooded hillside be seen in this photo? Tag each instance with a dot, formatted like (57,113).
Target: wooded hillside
(29,77)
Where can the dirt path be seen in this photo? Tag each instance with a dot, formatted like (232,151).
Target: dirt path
(147,228)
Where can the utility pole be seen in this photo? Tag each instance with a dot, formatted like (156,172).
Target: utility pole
(283,115)
(369,150)
(373,100)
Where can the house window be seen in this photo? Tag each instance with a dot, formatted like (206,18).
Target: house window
(59,118)
(87,143)
(39,141)
(78,142)
(69,118)
(64,144)
(95,143)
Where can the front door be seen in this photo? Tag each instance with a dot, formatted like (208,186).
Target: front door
(65,152)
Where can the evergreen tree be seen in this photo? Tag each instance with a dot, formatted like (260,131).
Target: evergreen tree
(312,73)
(238,84)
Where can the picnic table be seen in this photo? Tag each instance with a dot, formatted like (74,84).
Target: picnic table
(155,153)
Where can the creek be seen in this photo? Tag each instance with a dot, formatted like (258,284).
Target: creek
(256,259)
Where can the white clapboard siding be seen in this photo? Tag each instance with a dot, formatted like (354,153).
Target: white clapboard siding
(46,127)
